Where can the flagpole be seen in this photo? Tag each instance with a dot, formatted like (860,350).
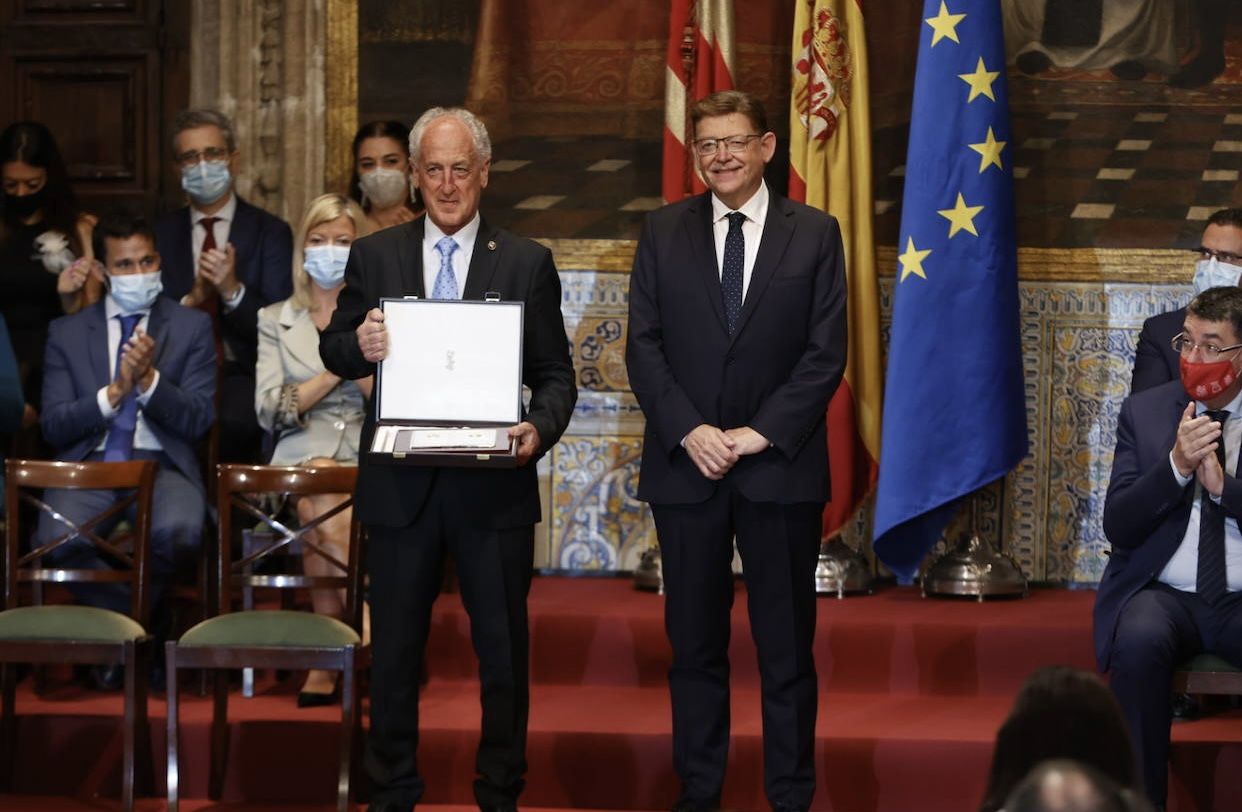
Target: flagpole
(976,566)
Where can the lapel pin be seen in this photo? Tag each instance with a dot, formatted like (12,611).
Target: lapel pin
(491,245)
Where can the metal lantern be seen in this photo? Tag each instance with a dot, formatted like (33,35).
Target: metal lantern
(842,570)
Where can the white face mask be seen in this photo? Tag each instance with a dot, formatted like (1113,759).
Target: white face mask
(384,188)
(1212,273)
(133,292)
(325,264)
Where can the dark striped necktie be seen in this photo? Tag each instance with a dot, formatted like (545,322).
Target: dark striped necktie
(1210,578)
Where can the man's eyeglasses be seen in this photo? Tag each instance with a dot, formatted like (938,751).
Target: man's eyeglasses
(733,144)
(1227,257)
(1182,345)
(210,154)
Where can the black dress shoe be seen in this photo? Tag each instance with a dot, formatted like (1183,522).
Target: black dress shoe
(320,699)
(386,807)
(108,677)
(502,808)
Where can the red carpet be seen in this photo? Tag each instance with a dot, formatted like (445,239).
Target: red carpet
(913,692)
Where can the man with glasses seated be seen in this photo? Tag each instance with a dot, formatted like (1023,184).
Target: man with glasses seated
(1171,587)
(226,257)
(1219,263)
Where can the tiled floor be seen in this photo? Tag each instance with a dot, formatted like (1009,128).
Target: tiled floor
(1111,176)
(1104,175)
(587,187)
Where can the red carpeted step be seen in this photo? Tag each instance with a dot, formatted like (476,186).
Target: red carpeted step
(600,631)
(592,747)
(913,692)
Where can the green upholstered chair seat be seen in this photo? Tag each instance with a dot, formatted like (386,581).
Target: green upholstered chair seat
(68,622)
(1208,662)
(276,627)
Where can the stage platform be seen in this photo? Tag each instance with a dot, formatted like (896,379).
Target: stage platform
(913,691)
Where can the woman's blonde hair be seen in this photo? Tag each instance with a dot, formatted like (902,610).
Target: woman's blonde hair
(323,209)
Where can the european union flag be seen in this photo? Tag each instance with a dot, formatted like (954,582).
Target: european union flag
(954,416)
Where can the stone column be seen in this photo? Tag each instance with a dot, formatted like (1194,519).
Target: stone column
(261,62)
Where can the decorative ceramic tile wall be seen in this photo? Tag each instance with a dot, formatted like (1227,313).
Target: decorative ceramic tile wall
(1078,337)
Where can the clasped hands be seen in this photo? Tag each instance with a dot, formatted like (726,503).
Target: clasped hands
(1194,452)
(136,367)
(715,451)
(373,342)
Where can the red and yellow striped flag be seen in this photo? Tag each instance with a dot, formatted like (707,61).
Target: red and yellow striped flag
(700,62)
(830,169)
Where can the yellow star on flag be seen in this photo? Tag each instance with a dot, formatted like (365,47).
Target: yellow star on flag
(944,25)
(961,217)
(912,260)
(980,81)
(990,152)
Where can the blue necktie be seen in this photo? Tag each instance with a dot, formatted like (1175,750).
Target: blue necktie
(1210,579)
(731,269)
(446,280)
(119,447)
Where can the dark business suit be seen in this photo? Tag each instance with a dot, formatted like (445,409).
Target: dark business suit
(264,250)
(484,518)
(776,374)
(1154,360)
(180,411)
(1142,629)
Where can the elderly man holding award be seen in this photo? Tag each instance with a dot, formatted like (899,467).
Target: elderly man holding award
(454,317)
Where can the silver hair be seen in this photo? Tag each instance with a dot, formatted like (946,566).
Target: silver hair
(193,119)
(478,132)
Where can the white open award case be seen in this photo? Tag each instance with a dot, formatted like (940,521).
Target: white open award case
(450,385)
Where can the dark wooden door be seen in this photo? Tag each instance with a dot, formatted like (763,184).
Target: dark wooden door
(106,76)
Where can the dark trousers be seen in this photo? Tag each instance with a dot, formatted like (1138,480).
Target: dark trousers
(1159,629)
(177,516)
(241,439)
(494,572)
(779,545)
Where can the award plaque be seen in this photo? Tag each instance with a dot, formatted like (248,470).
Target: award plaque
(450,385)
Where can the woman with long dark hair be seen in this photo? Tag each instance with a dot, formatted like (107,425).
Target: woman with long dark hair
(381,176)
(45,248)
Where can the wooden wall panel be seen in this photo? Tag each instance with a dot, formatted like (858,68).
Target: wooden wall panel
(105,76)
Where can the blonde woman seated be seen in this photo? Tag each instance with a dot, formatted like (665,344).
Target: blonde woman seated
(315,416)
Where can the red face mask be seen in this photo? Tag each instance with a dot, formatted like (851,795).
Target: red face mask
(1206,381)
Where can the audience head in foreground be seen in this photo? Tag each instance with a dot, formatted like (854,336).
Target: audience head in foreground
(1062,785)
(1060,713)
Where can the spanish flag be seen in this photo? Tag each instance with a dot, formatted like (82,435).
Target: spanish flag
(830,169)
(700,62)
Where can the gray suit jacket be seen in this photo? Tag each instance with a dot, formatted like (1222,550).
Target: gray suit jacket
(289,354)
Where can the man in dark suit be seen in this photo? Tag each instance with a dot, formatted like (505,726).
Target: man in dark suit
(226,257)
(736,343)
(1170,590)
(483,518)
(131,377)
(1220,263)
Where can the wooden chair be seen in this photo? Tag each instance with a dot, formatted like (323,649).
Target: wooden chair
(1208,674)
(273,638)
(80,634)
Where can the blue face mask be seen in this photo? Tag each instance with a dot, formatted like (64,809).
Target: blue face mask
(325,264)
(206,181)
(133,292)
(1212,273)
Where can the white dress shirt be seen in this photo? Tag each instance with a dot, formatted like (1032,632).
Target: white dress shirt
(1182,570)
(756,211)
(143,438)
(464,238)
(220,229)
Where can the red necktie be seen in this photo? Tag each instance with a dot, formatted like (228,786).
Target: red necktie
(211,302)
